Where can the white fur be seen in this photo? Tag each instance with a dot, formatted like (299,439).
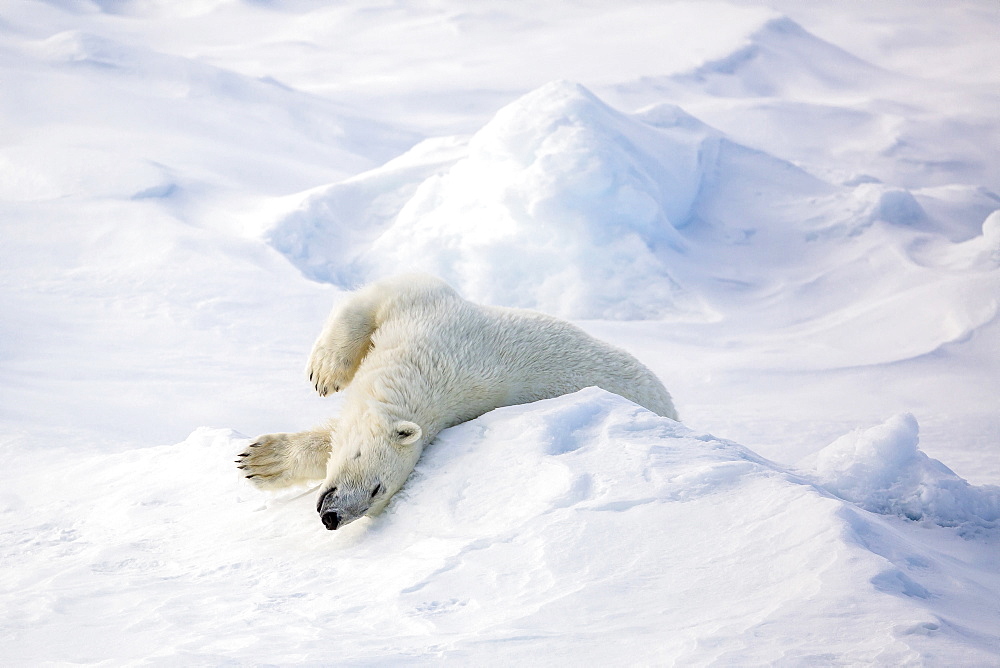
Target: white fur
(416,358)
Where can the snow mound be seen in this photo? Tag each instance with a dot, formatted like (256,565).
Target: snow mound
(559,203)
(892,205)
(279,137)
(519,530)
(882,470)
(780,59)
(565,205)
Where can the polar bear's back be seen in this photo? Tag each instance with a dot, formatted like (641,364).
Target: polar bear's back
(553,357)
(476,358)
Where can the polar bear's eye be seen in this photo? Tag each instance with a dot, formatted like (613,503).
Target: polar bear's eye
(377,490)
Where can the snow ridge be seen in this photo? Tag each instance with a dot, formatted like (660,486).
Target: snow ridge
(602,497)
(560,202)
(564,204)
(779,58)
(882,470)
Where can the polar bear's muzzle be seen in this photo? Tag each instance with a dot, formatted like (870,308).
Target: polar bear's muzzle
(337,507)
(328,510)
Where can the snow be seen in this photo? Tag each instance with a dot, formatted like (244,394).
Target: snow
(631,524)
(559,203)
(882,470)
(790,212)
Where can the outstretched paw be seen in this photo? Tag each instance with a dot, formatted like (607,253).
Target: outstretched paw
(273,461)
(329,372)
(265,461)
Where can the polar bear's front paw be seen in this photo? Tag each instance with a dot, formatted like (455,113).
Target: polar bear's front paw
(265,461)
(282,460)
(328,371)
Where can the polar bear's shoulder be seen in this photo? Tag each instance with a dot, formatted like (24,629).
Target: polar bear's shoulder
(412,288)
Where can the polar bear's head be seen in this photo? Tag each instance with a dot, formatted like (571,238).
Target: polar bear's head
(372,461)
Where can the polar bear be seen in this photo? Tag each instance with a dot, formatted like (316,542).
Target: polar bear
(415,358)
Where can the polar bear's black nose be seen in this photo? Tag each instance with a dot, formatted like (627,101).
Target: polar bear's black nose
(331,520)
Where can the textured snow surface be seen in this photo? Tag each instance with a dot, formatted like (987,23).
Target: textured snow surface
(568,525)
(882,470)
(564,204)
(789,212)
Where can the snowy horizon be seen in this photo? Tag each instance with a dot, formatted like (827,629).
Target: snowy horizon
(790,212)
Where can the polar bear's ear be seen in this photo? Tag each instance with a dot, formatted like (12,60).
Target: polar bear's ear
(405,433)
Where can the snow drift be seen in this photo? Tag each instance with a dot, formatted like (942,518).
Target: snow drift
(559,202)
(574,520)
(778,59)
(564,204)
(882,470)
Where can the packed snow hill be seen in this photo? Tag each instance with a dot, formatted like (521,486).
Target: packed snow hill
(789,213)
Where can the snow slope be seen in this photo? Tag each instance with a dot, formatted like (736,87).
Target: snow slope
(789,212)
(622,537)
